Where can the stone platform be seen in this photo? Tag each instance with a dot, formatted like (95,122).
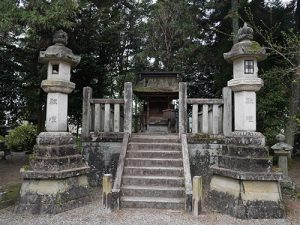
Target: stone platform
(56,178)
(243,183)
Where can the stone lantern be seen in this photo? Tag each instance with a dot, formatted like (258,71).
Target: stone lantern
(283,150)
(244,55)
(56,178)
(243,183)
(59,60)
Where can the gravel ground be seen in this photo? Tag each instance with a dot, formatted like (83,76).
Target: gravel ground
(95,214)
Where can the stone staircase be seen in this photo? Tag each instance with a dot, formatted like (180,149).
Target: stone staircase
(153,175)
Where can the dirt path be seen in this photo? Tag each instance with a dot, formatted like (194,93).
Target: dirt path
(10,168)
(294,173)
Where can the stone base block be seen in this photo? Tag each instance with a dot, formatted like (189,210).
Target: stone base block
(241,138)
(53,196)
(245,199)
(245,164)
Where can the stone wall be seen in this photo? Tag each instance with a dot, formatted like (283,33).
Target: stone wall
(102,157)
(202,156)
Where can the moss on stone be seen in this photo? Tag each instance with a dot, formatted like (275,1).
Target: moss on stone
(32,157)
(206,138)
(26,167)
(58,201)
(276,169)
(11,195)
(13,191)
(254,47)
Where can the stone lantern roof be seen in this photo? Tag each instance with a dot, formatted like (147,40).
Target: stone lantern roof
(59,51)
(281,145)
(246,46)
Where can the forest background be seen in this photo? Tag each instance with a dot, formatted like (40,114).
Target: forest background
(118,39)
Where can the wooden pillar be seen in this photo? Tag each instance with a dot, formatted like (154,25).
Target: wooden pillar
(182,108)
(128,107)
(227,111)
(86,112)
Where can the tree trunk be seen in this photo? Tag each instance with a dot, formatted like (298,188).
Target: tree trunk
(298,16)
(291,126)
(235,19)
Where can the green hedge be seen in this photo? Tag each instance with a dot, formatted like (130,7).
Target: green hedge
(21,138)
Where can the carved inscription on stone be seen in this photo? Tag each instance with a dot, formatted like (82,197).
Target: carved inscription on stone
(249,101)
(250,119)
(52,119)
(53,101)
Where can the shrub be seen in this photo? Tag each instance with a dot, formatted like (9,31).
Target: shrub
(2,139)
(21,138)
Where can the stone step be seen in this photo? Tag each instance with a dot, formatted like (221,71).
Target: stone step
(157,191)
(245,164)
(153,181)
(154,154)
(145,162)
(153,171)
(245,151)
(152,202)
(155,138)
(154,146)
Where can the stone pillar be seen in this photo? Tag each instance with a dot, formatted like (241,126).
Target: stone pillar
(243,183)
(197,195)
(56,179)
(107,191)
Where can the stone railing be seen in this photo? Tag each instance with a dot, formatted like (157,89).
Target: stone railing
(106,115)
(209,116)
(187,174)
(118,179)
